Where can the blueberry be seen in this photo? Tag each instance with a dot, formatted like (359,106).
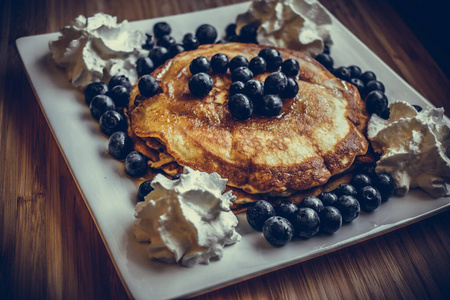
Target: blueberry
(368,76)
(238,61)
(240,106)
(359,85)
(241,74)
(234,39)
(306,223)
(94,89)
(148,86)
(270,106)
(369,198)
(230,30)
(369,170)
(342,73)
(355,71)
(290,67)
(361,180)
(385,184)
(158,55)
(376,102)
(144,189)
(286,209)
(275,83)
(345,189)
(386,113)
(166,41)
(119,145)
(144,66)
(199,64)
(330,219)
(119,80)
(206,34)
(273,58)
(291,89)
(374,85)
(135,164)
(112,121)
(190,42)
(349,208)
(258,213)
(100,104)
(257,65)
(176,177)
(326,60)
(248,33)
(219,63)
(237,87)
(417,107)
(161,28)
(328,198)
(200,84)
(254,89)
(278,231)
(149,42)
(175,49)
(326,49)
(312,202)
(120,95)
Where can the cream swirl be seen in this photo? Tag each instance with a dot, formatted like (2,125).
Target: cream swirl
(187,220)
(299,25)
(97,48)
(414,147)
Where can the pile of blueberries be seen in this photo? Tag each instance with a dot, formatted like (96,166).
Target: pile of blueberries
(248,95)
(325,213)
(372,91)
(167,47)
(106,103)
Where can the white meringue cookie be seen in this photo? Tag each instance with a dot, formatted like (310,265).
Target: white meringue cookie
(187,220)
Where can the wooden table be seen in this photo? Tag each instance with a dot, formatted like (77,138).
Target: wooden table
(51,248)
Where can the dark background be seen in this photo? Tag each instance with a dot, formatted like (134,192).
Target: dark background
(429,20)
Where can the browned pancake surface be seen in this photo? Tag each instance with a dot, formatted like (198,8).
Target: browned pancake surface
(317,135)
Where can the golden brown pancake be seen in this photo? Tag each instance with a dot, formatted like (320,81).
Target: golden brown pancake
(317,135)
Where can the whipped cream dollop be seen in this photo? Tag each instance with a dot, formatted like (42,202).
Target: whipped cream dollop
(415,148)
(187,220)
(97,48)
(301,25)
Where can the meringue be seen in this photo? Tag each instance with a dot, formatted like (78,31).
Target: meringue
(187,220)
(97,48)
(301,25)
(414,148)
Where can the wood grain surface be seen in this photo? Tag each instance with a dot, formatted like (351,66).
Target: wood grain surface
(51,248)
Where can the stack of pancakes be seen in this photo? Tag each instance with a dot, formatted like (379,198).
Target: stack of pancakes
(309,147)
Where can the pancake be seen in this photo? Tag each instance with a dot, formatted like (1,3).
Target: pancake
(317,135)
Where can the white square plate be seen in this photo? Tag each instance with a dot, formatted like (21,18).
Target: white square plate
(111,196)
